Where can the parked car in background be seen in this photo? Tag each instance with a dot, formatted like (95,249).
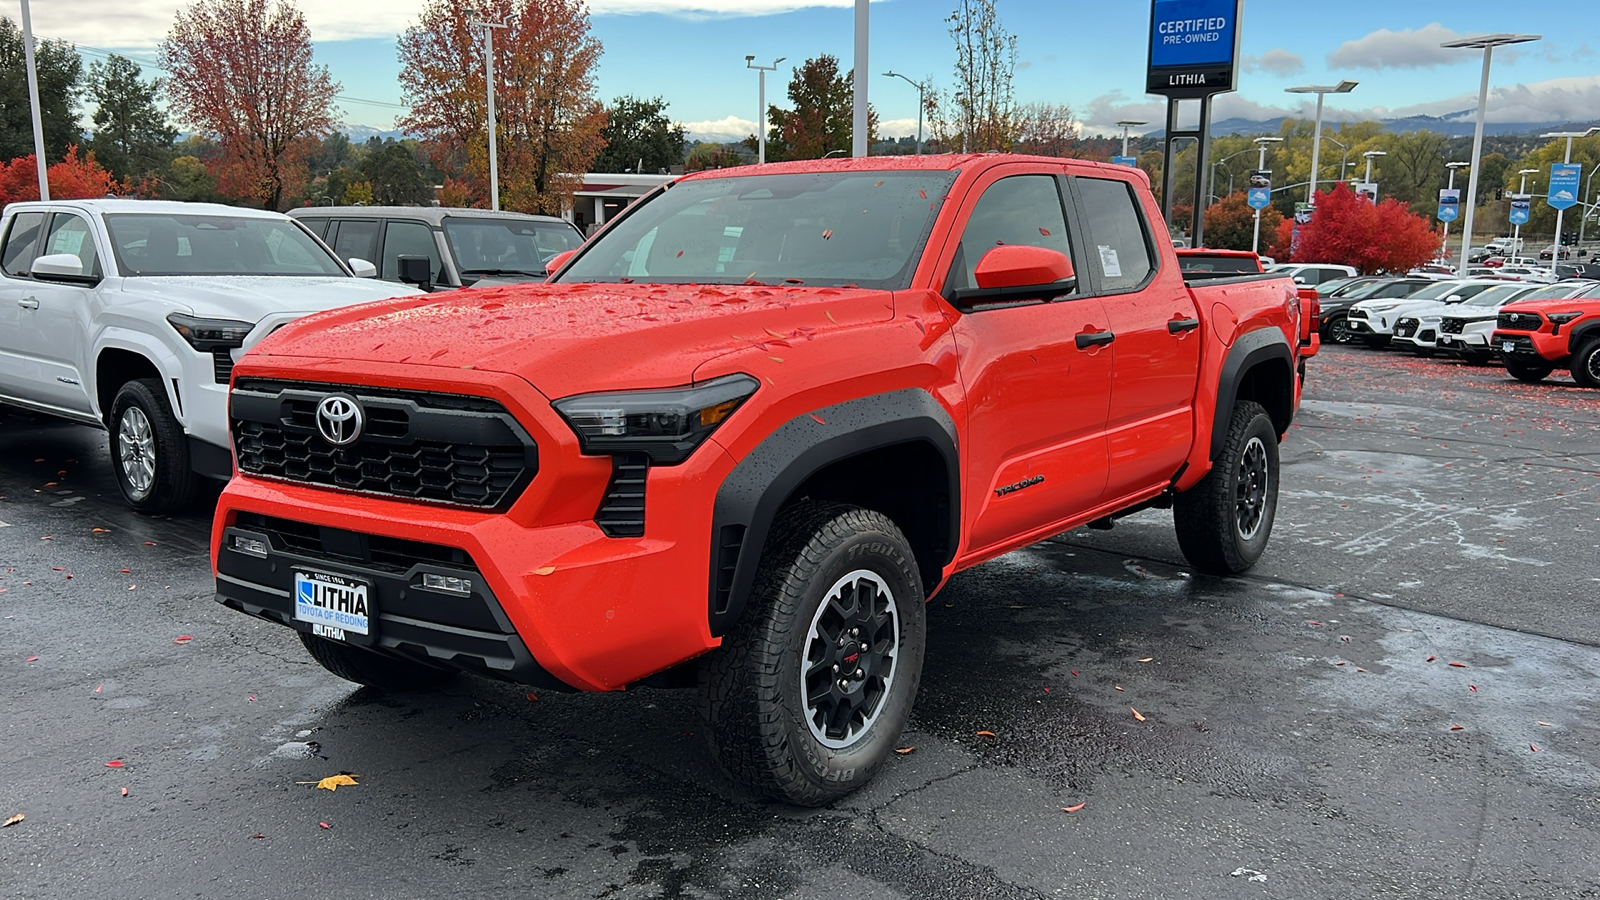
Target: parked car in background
(447,247)
(1526,273)
(1534,337)
(1504,246)
(1374,319)
(1417,327)
(1495,262)
(128,315)
(1312,274)
(1552,252)
(1336,325)
(1466,330)
(1206,261)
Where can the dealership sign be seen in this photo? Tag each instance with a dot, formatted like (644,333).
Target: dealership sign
(1449,205)
(1194,47)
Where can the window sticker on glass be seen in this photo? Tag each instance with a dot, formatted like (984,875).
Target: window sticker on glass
(1109,264)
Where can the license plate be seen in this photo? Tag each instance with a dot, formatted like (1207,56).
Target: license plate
(1508,346)
(331,603)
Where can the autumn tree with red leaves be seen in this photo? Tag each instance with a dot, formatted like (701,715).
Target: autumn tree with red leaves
(1347,230)
(241,71)
(548,118)
(1231,223)
(73,178)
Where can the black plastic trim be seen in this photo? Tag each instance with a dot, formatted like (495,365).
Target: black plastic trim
(752,494)
(1248,351)
(621,512)
(210,460)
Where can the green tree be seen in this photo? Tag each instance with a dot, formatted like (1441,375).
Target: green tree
(639,137)
(131,134)
(1230,224)
(187,178)
(60,71)
(393,176)
(822,120)
(706,155)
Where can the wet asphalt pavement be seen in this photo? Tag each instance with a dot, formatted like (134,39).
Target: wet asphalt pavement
(1298,738)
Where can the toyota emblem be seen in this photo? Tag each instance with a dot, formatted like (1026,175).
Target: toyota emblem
(339,419)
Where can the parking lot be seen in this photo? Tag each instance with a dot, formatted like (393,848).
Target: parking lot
(1398,702)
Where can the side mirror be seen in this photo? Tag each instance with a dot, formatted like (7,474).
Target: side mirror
(61,267)
(559,260)
(1017,273)
(360,268)
(415,270)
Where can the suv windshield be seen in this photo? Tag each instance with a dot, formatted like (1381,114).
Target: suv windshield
(1557,292)
(151,244)
(1496,295)
(485,246)
(817,228)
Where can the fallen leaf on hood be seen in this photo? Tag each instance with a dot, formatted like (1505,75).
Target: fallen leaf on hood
(904,750)
(544,570)
(1074,808)
(986,734)
(13,820)
(1136,714)
(1458,665)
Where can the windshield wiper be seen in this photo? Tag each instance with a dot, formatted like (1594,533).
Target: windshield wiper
(503,272)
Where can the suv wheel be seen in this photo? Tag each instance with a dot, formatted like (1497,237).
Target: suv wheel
(1224,521)
(807,696)
(1586,365)
(149,450)
(1339,331)
(1529,372)
(386,673)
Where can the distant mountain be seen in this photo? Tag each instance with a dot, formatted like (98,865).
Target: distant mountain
(359,134)
(715,137)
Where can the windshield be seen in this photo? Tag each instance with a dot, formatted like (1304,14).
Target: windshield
(485,246)
(818,228)
(1558,292)
(1437,291)
(148,244)
(1496,295)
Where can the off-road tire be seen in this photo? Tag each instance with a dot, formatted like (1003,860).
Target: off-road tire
(1211,516)
(373,669)
(751,687)
(1376,341)
(1532,373)
(141,410)
(1586,364)
(1339,332)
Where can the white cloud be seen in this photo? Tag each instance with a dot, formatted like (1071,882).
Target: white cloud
(1278,62)
(1409,49)
(727,128)
(899,128)
(1571,99)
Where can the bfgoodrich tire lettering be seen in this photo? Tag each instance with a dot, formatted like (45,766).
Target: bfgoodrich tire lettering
(1224,522)
(148,450)
(809,692)
(372,669)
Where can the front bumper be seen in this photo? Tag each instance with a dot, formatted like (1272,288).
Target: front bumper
(1530,346)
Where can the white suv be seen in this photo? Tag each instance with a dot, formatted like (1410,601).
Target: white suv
(129,314)
(1468,328)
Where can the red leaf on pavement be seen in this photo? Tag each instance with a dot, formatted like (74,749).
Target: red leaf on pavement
(252,698)
(1432,658)
(124,792)
(1473,688)
(257,835)
(986,734)
(183,639)
(33,659)
(114,764)
(98,687)
(533,696)
(127,571)
(1074,808)
(149,543)
(819,420)
(1456,727)
(1458,665)
(1533,748)
(1074,671)
(1313,622)
(324,824)
(57,569)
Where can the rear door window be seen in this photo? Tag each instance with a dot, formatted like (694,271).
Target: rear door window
(1119,243)
(409,239)
(21,240)
(356,239)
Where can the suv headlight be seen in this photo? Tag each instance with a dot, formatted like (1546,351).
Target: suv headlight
(666,424)
(207,335)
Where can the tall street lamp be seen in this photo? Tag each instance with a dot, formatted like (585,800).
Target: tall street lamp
(1555,252)
(1486,43)
(761,99)
(1230,175)
(1261,144)
(1344,161)
(1126,124)
(922,89)
(1321,90)
(860,112)
(33,101)
(1370,154)
(1516,230)
(1445,246)
(488,72)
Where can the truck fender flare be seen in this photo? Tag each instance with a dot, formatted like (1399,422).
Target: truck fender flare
(1248,351)
(160,356)
(1578,336)
(749,498)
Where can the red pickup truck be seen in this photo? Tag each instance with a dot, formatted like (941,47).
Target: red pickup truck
(745,432)
(1533,337)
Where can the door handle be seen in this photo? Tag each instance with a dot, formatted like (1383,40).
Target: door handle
(29,303)
(1089,339)
(1177,326)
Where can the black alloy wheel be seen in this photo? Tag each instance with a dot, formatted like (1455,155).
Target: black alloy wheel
(1225,520)
(1339,331)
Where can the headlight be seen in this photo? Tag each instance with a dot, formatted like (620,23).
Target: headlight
(1562,318)
(666,424)
(207,335)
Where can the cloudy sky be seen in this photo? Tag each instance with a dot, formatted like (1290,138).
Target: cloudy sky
(1090,56)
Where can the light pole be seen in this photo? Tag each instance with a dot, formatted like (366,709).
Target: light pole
(1516,230)
(1321,90)
(1555,251)
(1486,43)
(922,89)
(1230,177)
(761,100)
(1261,144)
(1445,246)
(1370,155)
(33,101)
(860,110)
(488,71)
(1344,161)
(1126,124)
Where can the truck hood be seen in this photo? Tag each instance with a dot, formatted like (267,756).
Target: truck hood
(1549,306)
(575,338)
(251,298)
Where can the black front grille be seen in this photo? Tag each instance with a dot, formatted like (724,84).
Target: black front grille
(1405,328)
(1520,321)
(221,365)
(1358,314)
(622,510)
(1452,326)
(440,448)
